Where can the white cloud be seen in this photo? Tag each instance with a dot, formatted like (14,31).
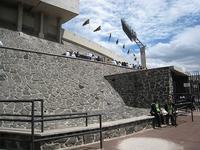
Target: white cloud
(183,50)
(153,21)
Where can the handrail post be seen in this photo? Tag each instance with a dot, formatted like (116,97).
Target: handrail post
(42,115)
(86,120)
(192,114)
(32,125)
(101,136)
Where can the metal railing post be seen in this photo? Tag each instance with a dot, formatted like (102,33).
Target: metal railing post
(41,118)
(86,120)
(192,114)
(32,125)
(42,115)
(101,136)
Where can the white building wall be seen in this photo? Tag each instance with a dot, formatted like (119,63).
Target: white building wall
(70,5)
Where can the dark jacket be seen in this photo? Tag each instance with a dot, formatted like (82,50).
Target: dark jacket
(153,109)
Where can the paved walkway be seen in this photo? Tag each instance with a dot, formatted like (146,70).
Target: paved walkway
(186,136)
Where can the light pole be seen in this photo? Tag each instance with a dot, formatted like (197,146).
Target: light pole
(133,37)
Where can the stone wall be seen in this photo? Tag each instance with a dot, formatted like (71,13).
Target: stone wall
(66,84)
(139,89)
(20,40)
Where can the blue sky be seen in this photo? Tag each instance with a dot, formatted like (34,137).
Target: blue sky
(169,28)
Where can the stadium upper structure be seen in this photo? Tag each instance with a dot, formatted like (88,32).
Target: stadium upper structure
(44,18)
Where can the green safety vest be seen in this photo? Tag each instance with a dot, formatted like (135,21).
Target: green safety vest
(157,108)
(170,108)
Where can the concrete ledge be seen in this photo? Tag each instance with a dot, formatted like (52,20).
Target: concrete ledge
(74,129)
(110,130)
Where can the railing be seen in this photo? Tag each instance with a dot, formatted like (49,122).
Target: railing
(179,96)
(183,101)
(195,88)
(32,119)
(62,56)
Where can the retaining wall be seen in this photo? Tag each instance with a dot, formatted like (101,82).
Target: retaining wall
(66,84)
(140,88)
(20,40)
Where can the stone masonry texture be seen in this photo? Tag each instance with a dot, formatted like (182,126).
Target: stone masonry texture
(139,89)
(24,41)
(70,85)
(66,85)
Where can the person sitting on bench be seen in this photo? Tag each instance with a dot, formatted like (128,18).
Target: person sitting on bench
(155,111)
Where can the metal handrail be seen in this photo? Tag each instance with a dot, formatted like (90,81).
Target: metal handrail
(184,104)
(45,118)
(20,101)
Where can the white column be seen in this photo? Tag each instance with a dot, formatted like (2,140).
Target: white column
(143,57)
(41,34)
(20,17)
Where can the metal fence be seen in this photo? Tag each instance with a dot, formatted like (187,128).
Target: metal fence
(183,101)
(195,88)
(41,118)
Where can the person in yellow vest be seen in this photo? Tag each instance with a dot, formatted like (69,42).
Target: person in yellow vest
(170,108)
(155,111)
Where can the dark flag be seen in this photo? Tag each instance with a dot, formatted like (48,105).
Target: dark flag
(97,29)
(86,22)
(124,46)
(117,41)
(109,37)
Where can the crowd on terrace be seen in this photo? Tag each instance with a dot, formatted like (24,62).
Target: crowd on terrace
(88,56)
(125,64)
(93,57)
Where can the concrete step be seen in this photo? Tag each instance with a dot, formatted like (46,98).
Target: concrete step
(110,129)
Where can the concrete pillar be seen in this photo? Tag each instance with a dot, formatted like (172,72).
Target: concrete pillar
(143,57)
(41,34)
(20,17)
(59,30)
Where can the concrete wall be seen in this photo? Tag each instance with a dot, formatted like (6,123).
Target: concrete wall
(64,9)
(30,21)
(11,14)
(72,37)
(139,89)
(76,48)
(70,5)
